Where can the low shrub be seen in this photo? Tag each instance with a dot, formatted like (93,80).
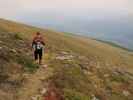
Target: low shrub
(28,63)
(18,36)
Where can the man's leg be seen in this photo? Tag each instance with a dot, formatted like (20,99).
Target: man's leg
(36,56)
(40,56)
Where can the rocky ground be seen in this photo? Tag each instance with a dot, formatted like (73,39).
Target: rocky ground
(74,68)
(81,81)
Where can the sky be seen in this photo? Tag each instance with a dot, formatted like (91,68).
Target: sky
(65,8)
(70,15)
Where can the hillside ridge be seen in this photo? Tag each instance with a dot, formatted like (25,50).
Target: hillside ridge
(78,68)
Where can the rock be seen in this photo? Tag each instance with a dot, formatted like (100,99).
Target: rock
(98,65)
(88,72)
(82,57)
(33,98)
(119,71)
(115,73)
(70,60)
(95,86)
(60,57)
(126,93)
(43,91)
(64,53)
(21,41)
(26,75)
(83,67)
(37,97)
(67,57)
(13,50)
(1,48)
(1,42)
(94,98)
(106,75)
(44,66)
(107,64)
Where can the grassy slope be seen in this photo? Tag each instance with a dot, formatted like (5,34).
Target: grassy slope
(14,60)
(89,54)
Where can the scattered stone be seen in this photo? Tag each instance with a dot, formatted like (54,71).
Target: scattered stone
(95,86)
(83,67)
(107,64)
(0,48)
(87,72)
(64,53)
(60,58)
(119,71)
(106,75)
(94,98)
(67,57)
(26,75)
(1,42)
(44,66)
(98,65)
(43,91)
(70,60)
(115,73)
(37,97)
(82,57)
(129,75)
(13,50)
(126,93)
(21,41)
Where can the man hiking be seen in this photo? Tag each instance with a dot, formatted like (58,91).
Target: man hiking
(38,46)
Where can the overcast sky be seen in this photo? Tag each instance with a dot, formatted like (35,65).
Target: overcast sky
(93,8)
(111,18)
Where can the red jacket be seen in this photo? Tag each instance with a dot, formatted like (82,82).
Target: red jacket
(38,38)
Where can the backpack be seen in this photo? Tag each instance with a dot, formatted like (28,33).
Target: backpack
(38,45)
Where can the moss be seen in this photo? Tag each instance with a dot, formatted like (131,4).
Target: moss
(120,78)
(74,95)
(18,36)
(118,96)
(70,76)
(28,63)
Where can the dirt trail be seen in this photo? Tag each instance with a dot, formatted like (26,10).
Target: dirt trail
(34,82)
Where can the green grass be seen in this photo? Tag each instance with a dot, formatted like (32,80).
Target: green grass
(120,78)
(28,63)
(18,36)
(69,77)
(16,50)
(73,95)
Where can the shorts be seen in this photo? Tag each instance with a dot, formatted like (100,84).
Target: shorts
(38,54)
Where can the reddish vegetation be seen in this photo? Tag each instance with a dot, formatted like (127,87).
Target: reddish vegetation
(53,93)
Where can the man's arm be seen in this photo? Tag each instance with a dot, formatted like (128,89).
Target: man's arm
(43,41)
(33,43)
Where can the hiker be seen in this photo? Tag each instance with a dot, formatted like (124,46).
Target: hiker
(38,46)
